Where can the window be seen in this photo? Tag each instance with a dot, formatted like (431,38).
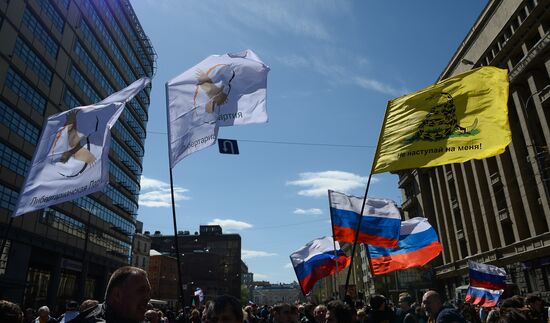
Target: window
(33,61)
(50,11)
(84,85)
(40,33)
(70,100)
(8,198)
(4,257)
(13,160)
(25,91)
(18,124)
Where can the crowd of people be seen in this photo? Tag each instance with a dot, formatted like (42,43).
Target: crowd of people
(128,293)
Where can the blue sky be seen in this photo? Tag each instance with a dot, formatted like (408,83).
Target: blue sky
(334,65)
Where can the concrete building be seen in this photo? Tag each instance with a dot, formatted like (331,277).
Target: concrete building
(140,248)
(497,210)
(210,260)
(163,277)
(55,55)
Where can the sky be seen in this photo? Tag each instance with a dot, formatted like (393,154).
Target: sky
(333,67)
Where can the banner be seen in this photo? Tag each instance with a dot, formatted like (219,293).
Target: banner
(222,90)
(71,158)
(458,119)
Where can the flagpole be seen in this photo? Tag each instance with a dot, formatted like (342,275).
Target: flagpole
(333,241)
(357,237)
(181,298)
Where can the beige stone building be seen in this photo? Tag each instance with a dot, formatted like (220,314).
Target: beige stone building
(497,210)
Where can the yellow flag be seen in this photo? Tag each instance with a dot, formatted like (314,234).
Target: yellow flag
(458,119)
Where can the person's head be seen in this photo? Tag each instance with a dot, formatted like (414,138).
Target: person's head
(338,312)
(308,309)
(378,302)
(294,313)
(10,312)
(29,314)
(87,304)
(535,302)
(513,302)
(224,309)
(72,306)
(405,301)
(128,293)
(152,316)
(281,313)
(319,313)
(432,303)
(44,312)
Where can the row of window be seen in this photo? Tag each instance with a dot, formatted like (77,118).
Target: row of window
(64,3)
(8,198)
(70,100)
(125,135)
(108,39)
(103,57)
(99,210)
(123,179)
(125,158)
(50,11)
(121,37)
(120,200)
(62,222)
(92,68)
(13,160)
(83,85)
(16,123)
(25,91)
(134,124)
(33,61)
(40,33)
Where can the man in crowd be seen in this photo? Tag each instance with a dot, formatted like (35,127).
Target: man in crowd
(405,313)
(224,309)
(432,304)
(282,313)
(319,313)
(126,298)
(338,312)
(536,305)
(10,312)
(44,316)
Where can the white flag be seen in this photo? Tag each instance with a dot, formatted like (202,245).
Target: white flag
(222,90)
(71,159)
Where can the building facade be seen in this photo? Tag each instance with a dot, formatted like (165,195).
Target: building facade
(497,210)
(163,277)
(56,55)
(277,293)
(210,260)
(141,247)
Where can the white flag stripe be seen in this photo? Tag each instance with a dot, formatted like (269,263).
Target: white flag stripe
(71,158)
(313,248)
(373,207)
(221,90)
(489,269)
(414,225)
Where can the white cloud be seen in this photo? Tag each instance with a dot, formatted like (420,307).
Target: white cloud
(378,86)
(312,211)
(261,276)
(229,224)
(156,193)
(317,184)
(288,266)
(247,254)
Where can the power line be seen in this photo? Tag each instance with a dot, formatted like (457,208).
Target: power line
(289,142)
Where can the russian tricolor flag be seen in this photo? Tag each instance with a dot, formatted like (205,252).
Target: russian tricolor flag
(316,260)
(379,226)
(418,244)
(487,283)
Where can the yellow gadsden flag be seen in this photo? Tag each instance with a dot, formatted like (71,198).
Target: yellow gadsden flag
(458,119)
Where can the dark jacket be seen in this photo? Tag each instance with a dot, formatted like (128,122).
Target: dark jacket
(449,315)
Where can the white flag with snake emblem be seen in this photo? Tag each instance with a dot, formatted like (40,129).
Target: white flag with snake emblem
(71,159)
(222,90)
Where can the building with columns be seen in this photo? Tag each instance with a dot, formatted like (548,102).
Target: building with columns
(497,210)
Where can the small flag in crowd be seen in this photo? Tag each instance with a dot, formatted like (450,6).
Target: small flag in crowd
(487,283)
(222,90)
(458,119)
(71,158)
(199,294)
(380,224)
(418,244)
(316,260)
